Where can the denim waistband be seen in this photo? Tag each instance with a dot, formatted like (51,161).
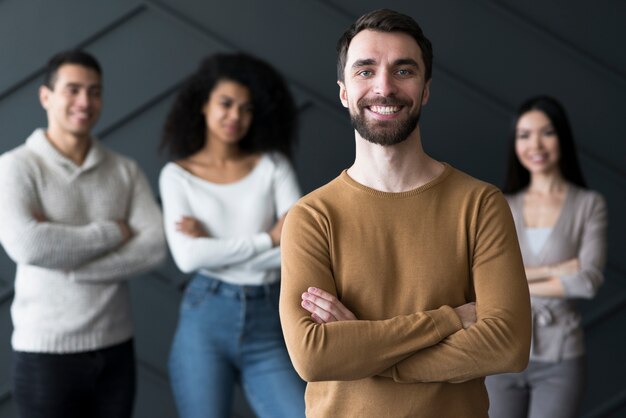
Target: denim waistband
(220,287)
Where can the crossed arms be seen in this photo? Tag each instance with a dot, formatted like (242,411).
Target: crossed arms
(428,346)
(99,251)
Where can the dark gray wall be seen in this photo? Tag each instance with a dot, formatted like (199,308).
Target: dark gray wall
(489,55)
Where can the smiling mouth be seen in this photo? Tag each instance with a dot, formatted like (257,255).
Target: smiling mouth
(385,110)
(81,117)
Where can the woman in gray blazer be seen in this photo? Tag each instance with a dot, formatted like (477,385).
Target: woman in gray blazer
(561,227)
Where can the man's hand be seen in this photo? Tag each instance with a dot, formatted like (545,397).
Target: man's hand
(127,233)
(325,307)
(467,314)
(39,217)
(276,231)
(192,227)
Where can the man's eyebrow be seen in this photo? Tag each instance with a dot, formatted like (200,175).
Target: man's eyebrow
(363,62)
(406,61)
(371,61)
(73,84)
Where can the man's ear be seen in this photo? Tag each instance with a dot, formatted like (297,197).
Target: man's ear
(343,94)
(426,94)
(44,96)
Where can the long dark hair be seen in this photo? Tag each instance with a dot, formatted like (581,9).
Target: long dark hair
(518,177)
(274,123)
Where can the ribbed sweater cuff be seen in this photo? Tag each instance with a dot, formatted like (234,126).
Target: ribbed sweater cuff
(446,321)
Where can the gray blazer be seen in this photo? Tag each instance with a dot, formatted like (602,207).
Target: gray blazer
(579,232)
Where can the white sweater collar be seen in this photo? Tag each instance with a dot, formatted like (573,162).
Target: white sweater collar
(39,144)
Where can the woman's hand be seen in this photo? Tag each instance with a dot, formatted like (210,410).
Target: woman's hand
(276,231)
(565,268)
(191,227)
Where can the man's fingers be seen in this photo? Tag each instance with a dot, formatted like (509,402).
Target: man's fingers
(322,294)
(317,319)
(317,313)
(328,304)
(317,300)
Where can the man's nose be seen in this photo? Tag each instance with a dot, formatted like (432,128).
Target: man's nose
(385,84)
(83,98)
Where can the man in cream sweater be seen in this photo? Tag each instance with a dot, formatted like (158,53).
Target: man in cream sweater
(79,220)
(380,267)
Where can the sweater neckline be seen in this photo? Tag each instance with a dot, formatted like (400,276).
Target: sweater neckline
(40,144)
(447,170)
(202,181)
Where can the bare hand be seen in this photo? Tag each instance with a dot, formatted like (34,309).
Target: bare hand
(192,227)
(127,233)
(467,314)
(567,267)
(325,307)
(39,217)
(276,231)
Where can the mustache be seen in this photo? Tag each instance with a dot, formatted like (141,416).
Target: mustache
(382,101)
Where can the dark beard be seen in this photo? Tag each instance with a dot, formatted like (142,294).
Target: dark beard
(383,132)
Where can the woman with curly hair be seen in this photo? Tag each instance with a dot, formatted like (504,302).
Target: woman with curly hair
(561,226)
(225,195)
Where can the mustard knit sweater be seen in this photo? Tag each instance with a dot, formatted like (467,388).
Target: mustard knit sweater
(401,262)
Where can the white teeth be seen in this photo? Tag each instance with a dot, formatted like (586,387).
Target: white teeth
(385,110)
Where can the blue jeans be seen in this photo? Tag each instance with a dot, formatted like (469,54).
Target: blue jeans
(99,383)
(231,334)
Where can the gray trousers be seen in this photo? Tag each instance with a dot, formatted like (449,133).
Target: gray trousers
(543,390)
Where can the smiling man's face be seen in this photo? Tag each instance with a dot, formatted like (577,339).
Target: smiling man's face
(384,86)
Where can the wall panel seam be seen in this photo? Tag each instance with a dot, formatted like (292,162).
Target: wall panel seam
(84,43)
(580,54)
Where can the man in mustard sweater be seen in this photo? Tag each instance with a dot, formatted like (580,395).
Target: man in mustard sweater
(382,264)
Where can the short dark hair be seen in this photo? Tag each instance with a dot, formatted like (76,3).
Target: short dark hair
(385,20)
(73,56)
(274,120)
(518,177)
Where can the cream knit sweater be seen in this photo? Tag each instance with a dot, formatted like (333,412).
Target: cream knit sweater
(71,293)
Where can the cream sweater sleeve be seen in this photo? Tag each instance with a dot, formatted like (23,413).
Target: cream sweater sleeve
(145,250)
(44,244)
(346,350)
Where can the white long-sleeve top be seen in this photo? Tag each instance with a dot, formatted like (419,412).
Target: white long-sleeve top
(237,217)
(71,293)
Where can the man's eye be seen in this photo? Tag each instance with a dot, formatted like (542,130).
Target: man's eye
(365,73)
